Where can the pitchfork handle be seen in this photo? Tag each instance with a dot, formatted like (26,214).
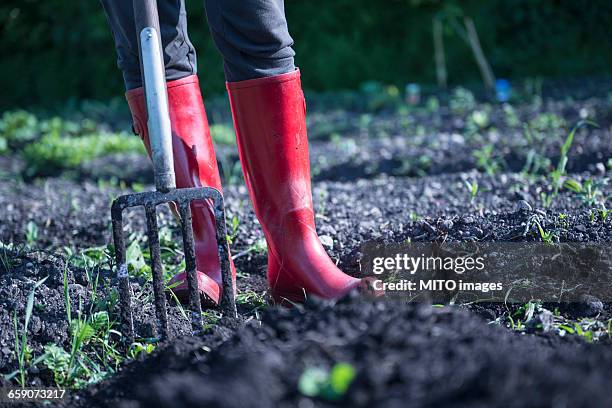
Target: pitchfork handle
(153,74)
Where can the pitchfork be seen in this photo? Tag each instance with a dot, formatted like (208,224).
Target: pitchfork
(152,69)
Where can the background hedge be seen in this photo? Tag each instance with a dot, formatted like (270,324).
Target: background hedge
(55,50)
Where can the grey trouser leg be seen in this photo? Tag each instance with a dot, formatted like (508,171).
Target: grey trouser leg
(251,35)
(179,54)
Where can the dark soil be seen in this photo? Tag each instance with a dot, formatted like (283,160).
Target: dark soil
(372,186)
(405,355)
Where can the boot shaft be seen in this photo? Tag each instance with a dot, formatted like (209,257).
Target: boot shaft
(195,161)
(270,120)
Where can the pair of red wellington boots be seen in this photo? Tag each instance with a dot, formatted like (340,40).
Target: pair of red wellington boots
(270,121)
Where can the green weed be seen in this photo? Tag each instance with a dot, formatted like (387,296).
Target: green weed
(546,199)
(590,191)
(510,116)
(79,366)
(17,127)
(547,236)
(462,100)
(330,385)
(589,330)
(22,350)
(535,163)
(137,349)
(258,247)
(31,233)
(479,119)
(563,220)
(472,188)
(559,172)
(234,225)
(5,260)
(231,171)
(53,152)
(603,213)
(546,122)
(210,318)
(577,330)
(135,257)
(486,160)
(557,175)
(252,299)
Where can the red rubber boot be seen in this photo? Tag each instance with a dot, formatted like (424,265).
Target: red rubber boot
(195,165)
(270,120)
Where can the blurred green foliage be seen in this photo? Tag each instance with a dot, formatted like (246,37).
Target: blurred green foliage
(49,146)
(52,51)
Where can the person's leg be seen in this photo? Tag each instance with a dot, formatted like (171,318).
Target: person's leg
(195,163)
(179,54)
(252,36)
(269,111)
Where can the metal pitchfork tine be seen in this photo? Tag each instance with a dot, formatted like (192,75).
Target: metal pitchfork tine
(152,68)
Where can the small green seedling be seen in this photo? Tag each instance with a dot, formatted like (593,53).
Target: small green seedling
(603,213)
(587,335)
(547,122)
(480,118)
(258,247)
(251,299)
(31,233)
(135,258)
(486,160)
(536,163)
(137,349)
(472,188)
(328,385)
(234,224)
(210,318)
(6,262)
(517,325)
(56,360)
(556,176)
(563,220)
(589,192)
(547,236)
(546,199)
(511,117)
(559,172)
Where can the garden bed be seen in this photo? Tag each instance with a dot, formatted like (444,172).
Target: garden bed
(468,172)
